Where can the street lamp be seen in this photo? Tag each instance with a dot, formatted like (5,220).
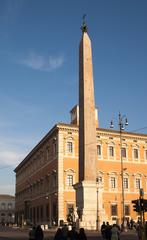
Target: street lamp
(122,123)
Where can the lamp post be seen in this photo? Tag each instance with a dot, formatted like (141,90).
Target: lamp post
(122,122)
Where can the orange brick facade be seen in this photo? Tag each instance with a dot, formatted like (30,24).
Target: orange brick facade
(45,178)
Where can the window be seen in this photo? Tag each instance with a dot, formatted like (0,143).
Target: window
(99,150)
(54,210)
(55,147)
(3,205)
(31,214)
(127,210)
(111,151)
(69,180)
(48,152)
(9,205)
(138,183)
(113,182)
(135,153)
(47,211)
(54,178)
(34,212)
(69,147)
(41,212)
(38,213)
(126,183)
(113,210)
(123,152)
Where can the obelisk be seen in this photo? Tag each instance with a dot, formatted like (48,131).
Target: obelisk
(86,198)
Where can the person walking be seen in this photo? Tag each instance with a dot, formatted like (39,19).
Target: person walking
(108,231)
(39,233)
(114,232)
(139,231)
(103,230)
(65,232)
(73,235)
(58,234)
(82,235)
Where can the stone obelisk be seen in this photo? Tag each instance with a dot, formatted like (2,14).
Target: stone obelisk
(86,197)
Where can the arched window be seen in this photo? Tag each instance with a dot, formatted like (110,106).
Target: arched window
(111,150)
(113,181)
(99,148)
(126,184)
(137,182)
(126,181)
(124,152)
(135,152)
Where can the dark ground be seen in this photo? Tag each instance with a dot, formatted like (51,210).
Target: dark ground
(7,233)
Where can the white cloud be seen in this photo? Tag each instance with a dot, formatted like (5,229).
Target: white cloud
(10,158)
(14,149)
(42,63)
(7,189)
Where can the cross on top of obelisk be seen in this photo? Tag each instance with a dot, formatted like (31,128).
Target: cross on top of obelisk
(84,26)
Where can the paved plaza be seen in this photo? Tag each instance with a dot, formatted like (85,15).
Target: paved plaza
(7,233)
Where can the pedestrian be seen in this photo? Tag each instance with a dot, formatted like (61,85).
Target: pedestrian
(108,231)
(139,231)
(82,235)
(114,232)
(73,235)
(32,233)
(131,223)
(65,232)
(103,230)
(119,231)
(58,234)
(39,233)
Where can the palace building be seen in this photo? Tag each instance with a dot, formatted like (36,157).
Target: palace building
(48,180)
(7,209)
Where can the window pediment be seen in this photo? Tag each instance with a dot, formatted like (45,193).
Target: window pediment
(69,170)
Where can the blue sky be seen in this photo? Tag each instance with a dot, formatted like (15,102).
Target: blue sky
(39,43)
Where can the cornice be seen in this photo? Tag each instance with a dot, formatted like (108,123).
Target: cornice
(75,128)
(68,127)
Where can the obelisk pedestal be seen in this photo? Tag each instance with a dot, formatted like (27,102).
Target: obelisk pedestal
(86,199)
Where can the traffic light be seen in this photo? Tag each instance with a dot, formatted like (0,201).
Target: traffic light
(136,206)
(143,203)
(140,205)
